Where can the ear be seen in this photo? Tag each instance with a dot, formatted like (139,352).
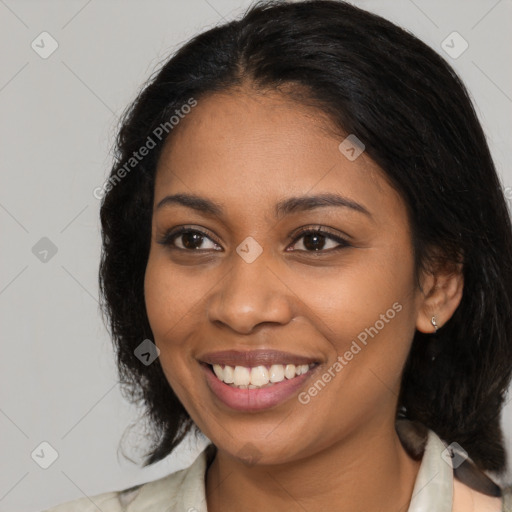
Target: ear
(440,296)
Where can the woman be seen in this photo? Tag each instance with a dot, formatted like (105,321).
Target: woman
(305,219)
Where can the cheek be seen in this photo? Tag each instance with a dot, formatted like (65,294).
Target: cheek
(169,303)
(367,316)
(366,312)
(169,296)
(354,296)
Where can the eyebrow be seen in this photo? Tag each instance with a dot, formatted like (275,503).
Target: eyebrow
(282,208)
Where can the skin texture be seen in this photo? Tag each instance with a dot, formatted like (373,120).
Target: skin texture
(247,150)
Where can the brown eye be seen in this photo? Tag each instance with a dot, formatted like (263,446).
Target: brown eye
(319,240)
(187,239)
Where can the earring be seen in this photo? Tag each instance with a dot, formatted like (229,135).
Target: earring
(434,346)
(436,327)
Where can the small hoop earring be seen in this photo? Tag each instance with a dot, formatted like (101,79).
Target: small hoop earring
(434,323)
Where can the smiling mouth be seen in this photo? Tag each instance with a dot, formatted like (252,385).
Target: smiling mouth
(258,377)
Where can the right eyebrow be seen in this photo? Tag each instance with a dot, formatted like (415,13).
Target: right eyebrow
(194,202)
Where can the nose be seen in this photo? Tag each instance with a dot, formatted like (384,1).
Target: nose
(250,294)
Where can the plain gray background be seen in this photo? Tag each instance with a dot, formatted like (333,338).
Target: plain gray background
(59,115)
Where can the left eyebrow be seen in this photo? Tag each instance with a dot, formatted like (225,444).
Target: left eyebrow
(305,203)
(282,208)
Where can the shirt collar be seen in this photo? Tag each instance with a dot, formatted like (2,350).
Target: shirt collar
(433,488)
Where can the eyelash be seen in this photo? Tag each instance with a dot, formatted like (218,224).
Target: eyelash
(170,236)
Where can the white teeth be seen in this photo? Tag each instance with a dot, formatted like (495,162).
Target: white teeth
(276,373)
(229,375)
(259,376)
(303,368)
(289,371)
(241,376)
(217,368)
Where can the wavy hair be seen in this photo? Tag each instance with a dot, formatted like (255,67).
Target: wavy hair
(415,117)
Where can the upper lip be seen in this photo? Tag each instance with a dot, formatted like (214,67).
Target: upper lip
(261,357)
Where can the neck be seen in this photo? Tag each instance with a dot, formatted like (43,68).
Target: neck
(369,472)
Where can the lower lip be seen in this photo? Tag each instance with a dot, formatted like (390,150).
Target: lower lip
(254,399)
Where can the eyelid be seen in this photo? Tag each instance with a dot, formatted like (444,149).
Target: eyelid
(170,235)
(321,229)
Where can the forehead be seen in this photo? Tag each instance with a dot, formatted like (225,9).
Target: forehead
(241,120)
(250,149)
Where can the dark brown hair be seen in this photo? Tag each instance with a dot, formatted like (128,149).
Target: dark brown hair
(415,117)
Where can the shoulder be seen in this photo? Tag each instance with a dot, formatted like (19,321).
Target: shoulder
(167,490)
(118,501)
(466,499)
(107,502)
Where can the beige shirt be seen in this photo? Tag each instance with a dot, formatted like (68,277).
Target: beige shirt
(184,491)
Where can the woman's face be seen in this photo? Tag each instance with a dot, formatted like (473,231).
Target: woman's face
(244,288)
